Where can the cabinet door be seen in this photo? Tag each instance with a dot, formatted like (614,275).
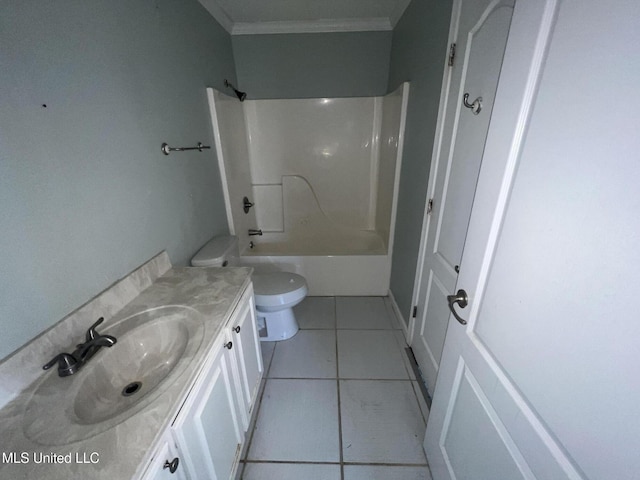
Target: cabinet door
(164,459)
(207,430)
(246,346)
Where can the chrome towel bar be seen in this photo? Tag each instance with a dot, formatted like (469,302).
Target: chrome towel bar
(166,149)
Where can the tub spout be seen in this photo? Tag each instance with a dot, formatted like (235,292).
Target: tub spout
(254,232)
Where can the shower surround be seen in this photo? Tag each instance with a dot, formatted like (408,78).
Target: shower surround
(323,174)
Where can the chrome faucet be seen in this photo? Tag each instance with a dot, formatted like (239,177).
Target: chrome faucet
(70,363)
(253,231)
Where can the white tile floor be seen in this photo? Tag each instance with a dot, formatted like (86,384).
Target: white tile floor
(340,400)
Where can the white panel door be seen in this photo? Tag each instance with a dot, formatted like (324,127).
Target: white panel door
(542,382)
(480,30)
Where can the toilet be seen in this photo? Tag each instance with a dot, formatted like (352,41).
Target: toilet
(276,293)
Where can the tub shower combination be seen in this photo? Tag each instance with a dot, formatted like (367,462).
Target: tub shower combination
(320,177)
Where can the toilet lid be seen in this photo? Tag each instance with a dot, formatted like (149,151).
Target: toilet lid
(277,283)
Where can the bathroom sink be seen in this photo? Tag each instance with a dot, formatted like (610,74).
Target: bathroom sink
(131,369)
(154,347)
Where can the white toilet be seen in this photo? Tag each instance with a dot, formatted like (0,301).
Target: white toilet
(276,293)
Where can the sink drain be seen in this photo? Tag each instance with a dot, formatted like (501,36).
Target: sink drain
(131,389)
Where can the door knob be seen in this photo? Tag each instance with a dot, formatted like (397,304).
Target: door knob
(461,299)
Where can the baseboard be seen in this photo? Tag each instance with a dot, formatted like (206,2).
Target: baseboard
(396,310)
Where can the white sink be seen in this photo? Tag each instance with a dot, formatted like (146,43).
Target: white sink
(153,349)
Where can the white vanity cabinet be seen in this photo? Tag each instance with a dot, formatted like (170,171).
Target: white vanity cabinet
(243,332)
(209,430)
(166,463)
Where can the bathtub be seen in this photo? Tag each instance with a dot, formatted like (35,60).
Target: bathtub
(320,178)
(355,265)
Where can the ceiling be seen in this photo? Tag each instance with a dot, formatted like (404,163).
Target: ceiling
(247,17)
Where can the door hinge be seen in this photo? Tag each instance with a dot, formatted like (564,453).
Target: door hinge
(414,314)
(452,54)
(430,206)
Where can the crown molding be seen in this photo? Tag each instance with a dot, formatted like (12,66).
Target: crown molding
(397,13)
(219,14)
(312,26)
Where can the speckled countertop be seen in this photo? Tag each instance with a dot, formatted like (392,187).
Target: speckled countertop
(123,451)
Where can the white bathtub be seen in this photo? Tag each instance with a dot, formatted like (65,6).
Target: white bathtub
(320,178)
(354,266)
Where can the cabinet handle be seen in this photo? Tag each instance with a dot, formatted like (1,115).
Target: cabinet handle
(228,345)
(237,329)
(171,465)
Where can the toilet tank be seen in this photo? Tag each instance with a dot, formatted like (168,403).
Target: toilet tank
(218,252)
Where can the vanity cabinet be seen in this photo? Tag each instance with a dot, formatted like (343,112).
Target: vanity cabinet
(209,430)
(243,332)
(166,463)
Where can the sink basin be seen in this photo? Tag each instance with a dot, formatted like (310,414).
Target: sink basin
(154,348)
(131,369)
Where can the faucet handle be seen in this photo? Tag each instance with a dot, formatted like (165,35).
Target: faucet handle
(91,333)
(66,364)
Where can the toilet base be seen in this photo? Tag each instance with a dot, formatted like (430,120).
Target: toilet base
(276,326)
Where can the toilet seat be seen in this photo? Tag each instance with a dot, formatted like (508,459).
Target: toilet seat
(277,290)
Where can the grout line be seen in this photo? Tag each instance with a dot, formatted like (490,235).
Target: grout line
(255,423)
(305,462)
(344,378)
(335,315)
(383,464)
(256,413)
(338,380)
(295,462)
(369,329)
(318,328)
(349,379)
(273,354)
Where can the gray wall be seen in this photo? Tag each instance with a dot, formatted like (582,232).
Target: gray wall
(418,53)
(348,64)
(85,193)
